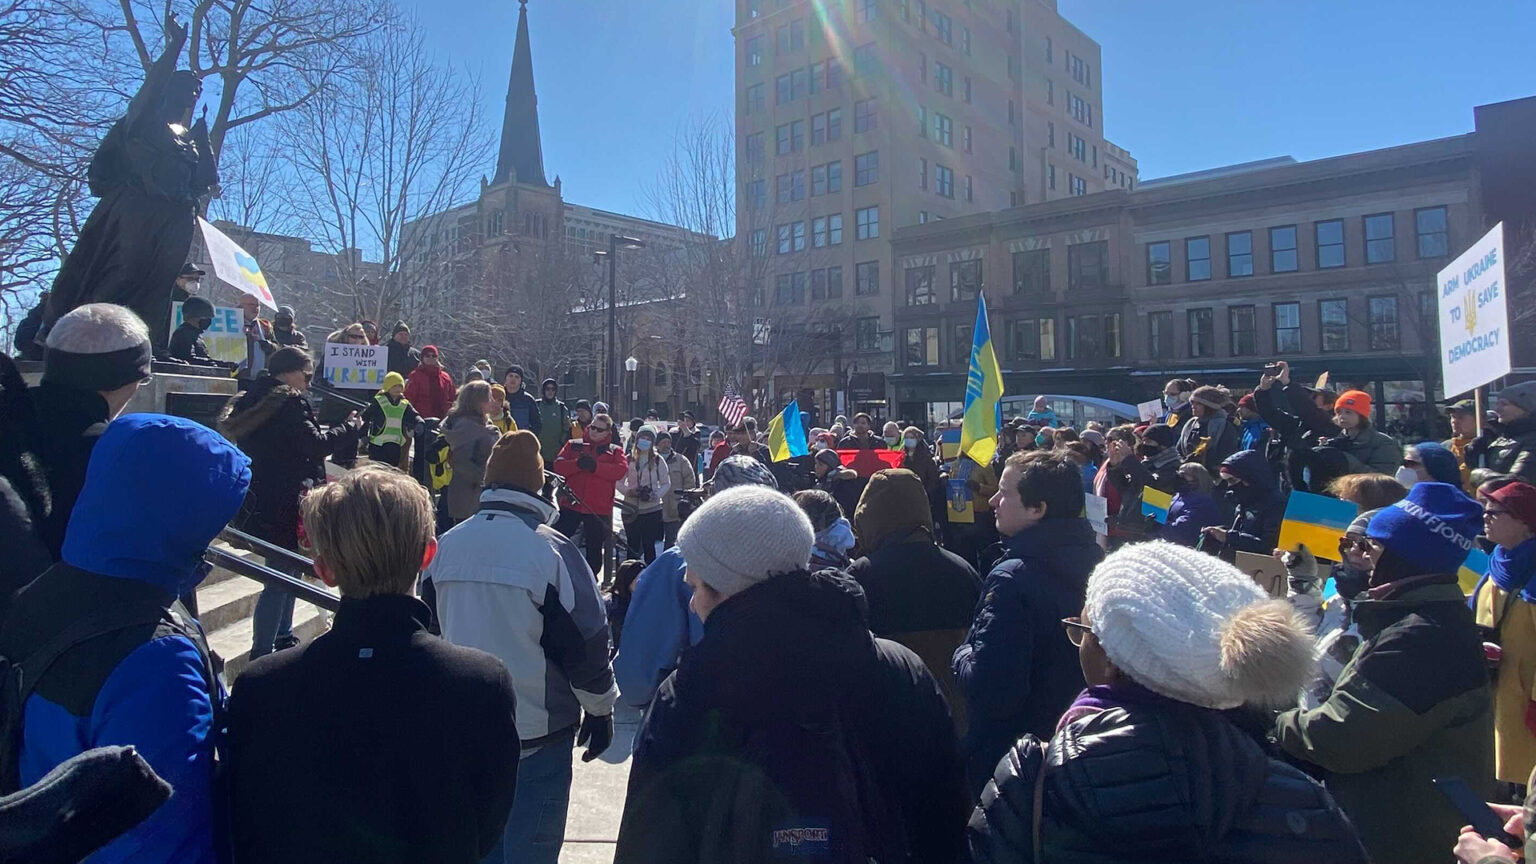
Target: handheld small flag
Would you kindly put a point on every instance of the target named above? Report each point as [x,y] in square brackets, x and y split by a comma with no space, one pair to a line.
[1318,521]
[1472,570]
[1156,503]
[234,265]
[983,389]
[786,434]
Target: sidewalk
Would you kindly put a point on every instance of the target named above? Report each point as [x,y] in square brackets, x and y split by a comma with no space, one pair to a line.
[597,796]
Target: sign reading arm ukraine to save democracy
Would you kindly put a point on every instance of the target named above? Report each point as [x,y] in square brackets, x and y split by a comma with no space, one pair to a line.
[1474,317]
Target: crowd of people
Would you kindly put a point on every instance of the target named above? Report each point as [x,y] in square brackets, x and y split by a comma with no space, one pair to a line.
[832,663]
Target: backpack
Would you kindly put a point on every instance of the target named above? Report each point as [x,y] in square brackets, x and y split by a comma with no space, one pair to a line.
[439,464]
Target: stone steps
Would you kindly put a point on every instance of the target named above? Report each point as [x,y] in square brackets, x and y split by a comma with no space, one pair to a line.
[226,601]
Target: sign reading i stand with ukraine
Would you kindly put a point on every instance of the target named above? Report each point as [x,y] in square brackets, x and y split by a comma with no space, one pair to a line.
[1474,319]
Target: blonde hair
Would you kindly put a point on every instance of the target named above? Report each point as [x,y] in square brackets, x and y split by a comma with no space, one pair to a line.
[472,399]
[371,528]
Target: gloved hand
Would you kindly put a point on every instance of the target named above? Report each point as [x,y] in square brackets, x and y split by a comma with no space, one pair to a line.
[596,734]
[586,463]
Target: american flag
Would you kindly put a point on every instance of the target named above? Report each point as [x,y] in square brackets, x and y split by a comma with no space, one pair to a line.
[732,407]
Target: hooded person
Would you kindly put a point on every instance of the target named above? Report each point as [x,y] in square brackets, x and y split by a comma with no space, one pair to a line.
[186,342]
[919,593]
[1147,758]
[1253,432]
[158,490]
[1042,414]
[1259,507]
[390,420]
[508,583]
[779,723]
[837,480]
[659,624]
[1504,602]
[554,427]
[834,533]
[1413,703]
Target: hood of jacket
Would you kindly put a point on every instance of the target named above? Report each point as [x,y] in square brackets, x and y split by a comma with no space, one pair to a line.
[1252,468]
[244,413]
[158,490]
[544,385]
[521,502]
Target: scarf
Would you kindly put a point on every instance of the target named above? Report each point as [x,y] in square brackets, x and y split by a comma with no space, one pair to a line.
[833,543]
[1512,569]
[1102,697]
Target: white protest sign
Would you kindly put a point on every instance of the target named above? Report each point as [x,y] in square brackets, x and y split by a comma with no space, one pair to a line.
[235,265]
[1150,410]
[1474,318]
[225,337]
[356,367]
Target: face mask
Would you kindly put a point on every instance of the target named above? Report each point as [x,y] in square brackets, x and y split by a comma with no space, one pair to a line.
[1171,401]
[1042,442]
[909,443]
[1147,451]
[663,452]
[819,445]
[891,440]
[1406,476]
[643,444]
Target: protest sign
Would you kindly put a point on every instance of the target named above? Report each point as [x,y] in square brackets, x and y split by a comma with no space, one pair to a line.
[1317,521]
[961,507]
[1474,318]
[1096,511]
[225,337]
[356,367]
[1149,411]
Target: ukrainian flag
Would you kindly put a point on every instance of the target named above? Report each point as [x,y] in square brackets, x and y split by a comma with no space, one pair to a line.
[786,434]
[1317,521]
[1156,503]
[983,389]
[1472,570]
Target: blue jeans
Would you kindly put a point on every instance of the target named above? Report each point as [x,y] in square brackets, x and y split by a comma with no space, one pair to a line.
[536,826]
[273,618]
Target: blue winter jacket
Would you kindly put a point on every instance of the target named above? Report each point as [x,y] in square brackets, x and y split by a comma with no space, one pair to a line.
[1190,512]
[657,627]
[157,490]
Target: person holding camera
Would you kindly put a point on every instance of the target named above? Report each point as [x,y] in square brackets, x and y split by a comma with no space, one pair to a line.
[645,485]
[680,473]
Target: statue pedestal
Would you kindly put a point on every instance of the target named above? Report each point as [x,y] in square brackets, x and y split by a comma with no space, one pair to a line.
[194,392]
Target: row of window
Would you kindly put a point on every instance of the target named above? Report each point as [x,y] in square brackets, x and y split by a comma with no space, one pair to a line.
[825,127]
[942,130]
[1430,229]
[1383,332]
[825,231]
[797,84]
[943,27]
[825,283]
[1115,177]
[1087,337]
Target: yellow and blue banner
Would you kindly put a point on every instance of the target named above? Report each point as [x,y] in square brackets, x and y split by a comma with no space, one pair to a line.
[786,434]
[1317,521]
[1156,503]
[983,390]
[1472,570]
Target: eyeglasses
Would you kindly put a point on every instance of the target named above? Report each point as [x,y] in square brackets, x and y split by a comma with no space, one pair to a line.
[1411,463]
[596,428]
[1489,512]
[1077,631]
[1354,544]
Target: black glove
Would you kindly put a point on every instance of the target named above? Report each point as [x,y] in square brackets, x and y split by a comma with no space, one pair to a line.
[586,463]
[596,735]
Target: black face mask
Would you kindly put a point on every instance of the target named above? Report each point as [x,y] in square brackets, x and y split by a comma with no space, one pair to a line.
[1350,581]
[1148,451]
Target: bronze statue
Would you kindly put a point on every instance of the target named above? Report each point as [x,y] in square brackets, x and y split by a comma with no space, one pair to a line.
[151,172]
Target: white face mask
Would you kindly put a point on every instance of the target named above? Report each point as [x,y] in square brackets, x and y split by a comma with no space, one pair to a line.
[1406,476]
[909,443]
[1171,401]
[819,445]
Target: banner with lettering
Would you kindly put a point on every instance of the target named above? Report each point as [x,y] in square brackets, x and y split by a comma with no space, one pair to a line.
[356,367]
[1474,318]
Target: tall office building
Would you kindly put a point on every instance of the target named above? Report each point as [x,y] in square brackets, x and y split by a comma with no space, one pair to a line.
[857,118]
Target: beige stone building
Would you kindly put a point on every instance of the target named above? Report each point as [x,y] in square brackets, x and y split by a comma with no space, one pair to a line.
[859,118]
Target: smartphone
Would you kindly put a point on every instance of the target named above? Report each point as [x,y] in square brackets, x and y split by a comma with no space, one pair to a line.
[1271,369]
[1477,812]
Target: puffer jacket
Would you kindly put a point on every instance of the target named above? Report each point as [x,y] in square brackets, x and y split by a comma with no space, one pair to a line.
[646,471]
[470,442]
[276,426]
[1150,779]
[595,487]
[1412,705]
[1373,452]
[845,485]
[1507,448]
[1260,506]
[1208,440]
[682,477]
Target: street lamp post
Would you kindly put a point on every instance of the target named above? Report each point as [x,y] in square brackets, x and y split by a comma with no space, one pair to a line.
[630,366]
[615,243]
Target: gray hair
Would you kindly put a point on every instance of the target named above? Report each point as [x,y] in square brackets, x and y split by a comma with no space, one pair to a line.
[97,328]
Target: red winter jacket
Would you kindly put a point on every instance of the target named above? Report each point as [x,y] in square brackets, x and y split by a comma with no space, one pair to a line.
[430,391]
[594,488]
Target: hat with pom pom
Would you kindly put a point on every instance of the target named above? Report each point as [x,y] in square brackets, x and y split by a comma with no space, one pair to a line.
[1194,628]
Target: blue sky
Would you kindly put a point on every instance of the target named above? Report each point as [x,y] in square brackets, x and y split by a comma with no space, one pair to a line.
[1188,84]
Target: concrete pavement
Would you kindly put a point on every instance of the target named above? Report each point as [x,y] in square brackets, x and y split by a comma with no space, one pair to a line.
[597,796]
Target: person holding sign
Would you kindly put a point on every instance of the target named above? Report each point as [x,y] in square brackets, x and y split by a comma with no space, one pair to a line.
[1509,445]
[390,420]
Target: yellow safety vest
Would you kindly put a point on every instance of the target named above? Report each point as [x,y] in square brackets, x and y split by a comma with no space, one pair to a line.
[394,422]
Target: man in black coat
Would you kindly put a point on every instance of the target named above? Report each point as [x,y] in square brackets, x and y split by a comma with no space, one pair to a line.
[1016,669]
[378,741]
[402,357]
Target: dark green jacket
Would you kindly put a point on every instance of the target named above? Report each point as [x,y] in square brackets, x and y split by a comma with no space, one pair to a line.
[1413,704]
[1374,452]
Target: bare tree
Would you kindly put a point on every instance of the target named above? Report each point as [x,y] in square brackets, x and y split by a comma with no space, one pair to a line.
[403,139]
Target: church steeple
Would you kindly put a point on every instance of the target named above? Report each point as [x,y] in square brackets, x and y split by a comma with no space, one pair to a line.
[521,151]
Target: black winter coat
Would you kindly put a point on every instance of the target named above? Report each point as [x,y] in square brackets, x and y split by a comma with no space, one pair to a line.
[1507,448]
[376,742]
[70,421]
[403,358]
[276,426]
[1260,507]
[1156,780]
[1016,667]
[791,651]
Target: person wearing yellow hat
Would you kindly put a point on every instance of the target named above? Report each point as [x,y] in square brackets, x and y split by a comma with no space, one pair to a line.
[391,420]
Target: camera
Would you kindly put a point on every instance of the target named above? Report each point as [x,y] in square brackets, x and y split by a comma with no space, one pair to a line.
[645,493]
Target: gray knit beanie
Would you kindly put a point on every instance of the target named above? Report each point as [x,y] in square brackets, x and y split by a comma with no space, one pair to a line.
[744,535]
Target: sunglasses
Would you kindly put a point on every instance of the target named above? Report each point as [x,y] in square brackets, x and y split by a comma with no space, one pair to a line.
[1354,544]
[1077,631]
[1411,463]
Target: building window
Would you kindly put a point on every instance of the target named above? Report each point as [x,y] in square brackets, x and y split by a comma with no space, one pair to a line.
[1050,133]
[1047,338]
[944,79]
[922,121]
[922,67]
[1160,335]
[864,115]
[970,190]
[1240,254]
[1334,316]
[753,102]
[818,129]
[1197,259]
[967,139]
[1084,336]
[791,237]
[1282,249]
[1088,265]
[827,230]
[1159,263]
[1050,47]
[1202,333]
[868,333]
[866,278]
[1243,327]
[943,181]
[866,168]
[1077,147]
[1384,333]
[760,243]
[867,223]
[964,279]
[1112,346]
[922,346]
[1077,185]
[819,232]
[960,346]
[827,284]
[1032,272]
[1079,109]
[943,130]
[865,60]
[1434,240]
[1050,173]
[757,194]
[869,10]
[922,182]
[789,289]
[920,286]
[1050,92]
[1379,248]
[1024,339]
[942,28]
[826,178]
[965,40]
[1330,244]
[1287,328]
[967,89]
[791,187]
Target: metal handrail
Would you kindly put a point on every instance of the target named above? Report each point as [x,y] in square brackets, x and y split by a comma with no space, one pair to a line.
[273,579]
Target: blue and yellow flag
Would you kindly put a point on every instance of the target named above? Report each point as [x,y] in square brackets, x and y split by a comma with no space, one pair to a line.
[786,434]
[1317,521]
[1156,503]
[983,389]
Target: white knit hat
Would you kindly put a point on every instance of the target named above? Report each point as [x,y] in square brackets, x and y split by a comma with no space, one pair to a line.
[1194,628]
[744,535]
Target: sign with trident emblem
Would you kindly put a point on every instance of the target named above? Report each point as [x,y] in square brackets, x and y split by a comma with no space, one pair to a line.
[1474,317]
